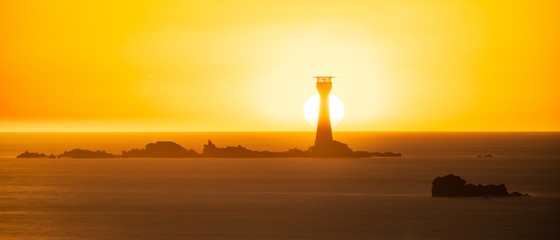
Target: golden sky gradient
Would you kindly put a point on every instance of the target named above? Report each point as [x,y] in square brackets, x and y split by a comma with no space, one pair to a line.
[248,65]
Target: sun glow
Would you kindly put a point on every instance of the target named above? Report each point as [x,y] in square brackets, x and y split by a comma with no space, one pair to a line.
[191,65]
[311,110]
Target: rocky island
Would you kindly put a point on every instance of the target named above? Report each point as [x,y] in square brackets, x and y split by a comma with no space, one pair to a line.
[161,149]
[454,186]
[28,154]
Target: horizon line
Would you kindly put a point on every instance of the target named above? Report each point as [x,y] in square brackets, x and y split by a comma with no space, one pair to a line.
[237,131]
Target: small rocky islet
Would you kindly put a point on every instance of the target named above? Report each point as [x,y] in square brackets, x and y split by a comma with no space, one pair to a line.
[455,186]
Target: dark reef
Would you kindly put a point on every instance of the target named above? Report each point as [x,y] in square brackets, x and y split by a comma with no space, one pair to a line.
[486,156]
[174,150]
[454,186]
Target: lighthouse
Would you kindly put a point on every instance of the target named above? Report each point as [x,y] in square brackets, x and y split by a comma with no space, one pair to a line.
[323,137]
[325,146]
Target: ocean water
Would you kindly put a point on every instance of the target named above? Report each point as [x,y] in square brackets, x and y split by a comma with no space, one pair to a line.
[297,198]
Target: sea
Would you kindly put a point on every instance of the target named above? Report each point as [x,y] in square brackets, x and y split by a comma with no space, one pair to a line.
[279,198]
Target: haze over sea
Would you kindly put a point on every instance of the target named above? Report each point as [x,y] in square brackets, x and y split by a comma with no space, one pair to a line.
[297,198]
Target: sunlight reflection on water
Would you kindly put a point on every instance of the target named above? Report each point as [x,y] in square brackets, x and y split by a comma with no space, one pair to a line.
[271,199]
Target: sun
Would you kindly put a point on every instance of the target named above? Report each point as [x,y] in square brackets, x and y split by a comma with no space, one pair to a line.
[311,110]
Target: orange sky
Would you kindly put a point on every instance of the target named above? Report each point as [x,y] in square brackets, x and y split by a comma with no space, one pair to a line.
[247,65]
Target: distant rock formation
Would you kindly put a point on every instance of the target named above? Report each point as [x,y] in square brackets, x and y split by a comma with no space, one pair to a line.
[338,149]
[455,186]
[27,154]
[161,149]
[335,149]
[385,154]
[171,149]
[211,150]
[84,153]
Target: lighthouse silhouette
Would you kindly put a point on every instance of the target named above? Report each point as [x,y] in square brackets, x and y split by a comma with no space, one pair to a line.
[325,146]
[323,137]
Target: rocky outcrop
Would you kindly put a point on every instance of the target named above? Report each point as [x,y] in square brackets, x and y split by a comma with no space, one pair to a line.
[211,150]
[385,154]
[84,153]
[455,186]
[334,149]
[27,154]
[339,149]
[161,149]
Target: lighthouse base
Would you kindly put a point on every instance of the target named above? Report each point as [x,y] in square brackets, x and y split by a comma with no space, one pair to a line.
[333,149]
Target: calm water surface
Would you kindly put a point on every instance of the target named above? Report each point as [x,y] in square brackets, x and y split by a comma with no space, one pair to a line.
[272,199]
[381,198]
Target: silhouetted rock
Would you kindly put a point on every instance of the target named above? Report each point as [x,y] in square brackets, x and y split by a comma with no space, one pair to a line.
[338,149]
[27,154]
[161,149]
[455,186]
[171,149]
[211,150]
[332,149]
[84,153]
[385,154]
[518,194]
[486,155]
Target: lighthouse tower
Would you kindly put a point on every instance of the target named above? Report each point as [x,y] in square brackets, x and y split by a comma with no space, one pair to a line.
[325,146]
[324,138]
